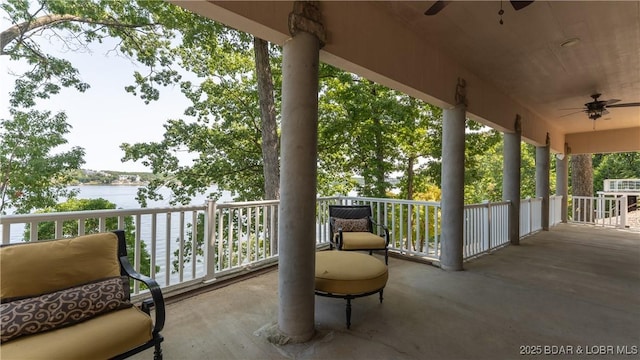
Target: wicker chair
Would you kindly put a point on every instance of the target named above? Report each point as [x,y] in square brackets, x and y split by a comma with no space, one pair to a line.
[352,228]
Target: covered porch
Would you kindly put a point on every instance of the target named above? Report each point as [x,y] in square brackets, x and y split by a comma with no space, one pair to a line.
[573,288]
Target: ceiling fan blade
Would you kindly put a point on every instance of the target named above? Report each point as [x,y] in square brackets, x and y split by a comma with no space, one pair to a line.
[435,8]
[573,113]
[612,101]
[624,105]
[573,109]
[517,5]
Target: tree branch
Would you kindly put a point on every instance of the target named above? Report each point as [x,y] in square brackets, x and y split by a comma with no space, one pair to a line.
[18,30]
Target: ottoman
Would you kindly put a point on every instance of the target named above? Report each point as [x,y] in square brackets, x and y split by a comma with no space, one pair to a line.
[349,275]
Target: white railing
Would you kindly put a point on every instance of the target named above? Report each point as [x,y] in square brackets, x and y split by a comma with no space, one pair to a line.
[165,234]
[190,245]
[241,235]
[600,210]
[414,226]
[486,227]
[530,216]
[555,210]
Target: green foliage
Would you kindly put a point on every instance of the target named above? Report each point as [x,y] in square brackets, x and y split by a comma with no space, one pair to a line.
[484,167]
[615,166]
[369,130]
[225,138]
[46,230]
[31,174]
[74,24]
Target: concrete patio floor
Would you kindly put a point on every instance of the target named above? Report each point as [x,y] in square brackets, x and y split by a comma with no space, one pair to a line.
[575,288]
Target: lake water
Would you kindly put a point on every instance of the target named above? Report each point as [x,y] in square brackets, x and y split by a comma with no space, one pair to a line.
[125,196]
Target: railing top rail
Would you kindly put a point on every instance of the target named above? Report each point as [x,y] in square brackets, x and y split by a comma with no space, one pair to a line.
[246,203]
[487,204]
[382,200]
[74,215]
[600,197]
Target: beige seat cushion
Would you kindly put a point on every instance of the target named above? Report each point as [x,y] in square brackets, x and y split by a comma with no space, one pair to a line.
[349,273]
[362,240]
[102,337]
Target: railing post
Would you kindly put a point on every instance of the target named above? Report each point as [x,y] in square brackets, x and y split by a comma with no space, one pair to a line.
[530,215]
[623,206]
[210,255]
[489,225]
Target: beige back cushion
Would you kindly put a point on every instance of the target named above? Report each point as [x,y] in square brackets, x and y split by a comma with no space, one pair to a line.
[42,267]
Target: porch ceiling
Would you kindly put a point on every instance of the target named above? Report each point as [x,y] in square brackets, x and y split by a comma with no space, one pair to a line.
[515,68]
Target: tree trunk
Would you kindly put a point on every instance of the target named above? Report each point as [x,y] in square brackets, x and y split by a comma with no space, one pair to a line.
[581,175]
[582,185]
[380,187]
[271,168]
[410,176]
[270,148]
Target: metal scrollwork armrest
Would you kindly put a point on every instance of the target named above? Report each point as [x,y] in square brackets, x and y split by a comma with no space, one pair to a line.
[154,289]
[384,228]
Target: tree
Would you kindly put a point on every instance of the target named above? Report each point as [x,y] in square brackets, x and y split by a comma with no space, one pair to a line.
[159,35]
[360,129]
[615,166]
[234,136]
[419,136]
[31,174]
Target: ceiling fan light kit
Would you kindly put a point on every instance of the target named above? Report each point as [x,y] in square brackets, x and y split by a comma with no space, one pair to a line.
[440,4]
[597,108]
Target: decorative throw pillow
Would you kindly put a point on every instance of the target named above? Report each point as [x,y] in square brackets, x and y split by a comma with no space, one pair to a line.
[352,225]
[62,308]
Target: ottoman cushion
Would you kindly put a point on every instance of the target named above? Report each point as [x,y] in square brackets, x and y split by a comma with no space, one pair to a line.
[349,273]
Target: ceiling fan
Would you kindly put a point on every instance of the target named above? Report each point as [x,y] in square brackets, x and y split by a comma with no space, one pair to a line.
[596,108]
[440,4]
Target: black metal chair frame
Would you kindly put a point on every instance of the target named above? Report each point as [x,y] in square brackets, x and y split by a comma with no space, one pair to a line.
[355,212]
[349,298]
[156,301]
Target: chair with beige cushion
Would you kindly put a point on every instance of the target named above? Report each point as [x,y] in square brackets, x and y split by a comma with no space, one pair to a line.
[352,227]
[69,299]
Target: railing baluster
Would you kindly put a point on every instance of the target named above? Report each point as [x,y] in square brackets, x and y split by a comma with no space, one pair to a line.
[167,255]
[194,243]
[154,240]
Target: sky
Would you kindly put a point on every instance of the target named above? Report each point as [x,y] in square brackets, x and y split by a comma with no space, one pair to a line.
[104,116]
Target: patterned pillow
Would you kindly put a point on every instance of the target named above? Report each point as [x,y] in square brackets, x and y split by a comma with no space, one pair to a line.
[66,307]
[352,225]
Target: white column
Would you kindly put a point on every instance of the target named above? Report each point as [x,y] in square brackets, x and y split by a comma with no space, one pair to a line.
[452,185]
[562,183]
[298,146]
[512,159]
[542,181]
